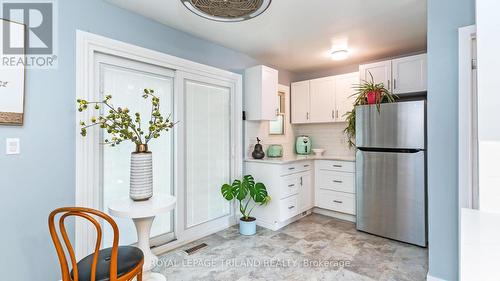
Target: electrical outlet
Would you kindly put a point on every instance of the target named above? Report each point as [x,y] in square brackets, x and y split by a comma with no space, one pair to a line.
[12,146]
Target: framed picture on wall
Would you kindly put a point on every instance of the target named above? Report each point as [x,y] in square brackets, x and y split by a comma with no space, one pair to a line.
[12,72]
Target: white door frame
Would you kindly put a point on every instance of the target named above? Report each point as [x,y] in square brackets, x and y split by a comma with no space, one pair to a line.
[467,155]
[87,159]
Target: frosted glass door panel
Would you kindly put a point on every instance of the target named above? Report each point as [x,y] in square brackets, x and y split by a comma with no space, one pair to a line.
[208,151]
[126,86]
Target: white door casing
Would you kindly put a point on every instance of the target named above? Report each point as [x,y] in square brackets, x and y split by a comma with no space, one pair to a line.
[87,182]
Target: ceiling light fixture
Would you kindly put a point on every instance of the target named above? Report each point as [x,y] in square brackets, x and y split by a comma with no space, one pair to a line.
[339,55]
[227,10]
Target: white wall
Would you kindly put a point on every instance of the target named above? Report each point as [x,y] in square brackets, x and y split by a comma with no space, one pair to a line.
[488,46]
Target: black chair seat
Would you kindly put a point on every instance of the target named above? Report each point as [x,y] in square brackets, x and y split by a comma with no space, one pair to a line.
[128,258]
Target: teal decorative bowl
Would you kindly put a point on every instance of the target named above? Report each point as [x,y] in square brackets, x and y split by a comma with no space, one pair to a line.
[275,151]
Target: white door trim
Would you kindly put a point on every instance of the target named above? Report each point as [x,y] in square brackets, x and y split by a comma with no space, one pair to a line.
[467,159]
[86,166]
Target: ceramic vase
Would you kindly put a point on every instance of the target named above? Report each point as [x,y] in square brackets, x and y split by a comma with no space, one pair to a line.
[141,174]
[373,97]
[248,228]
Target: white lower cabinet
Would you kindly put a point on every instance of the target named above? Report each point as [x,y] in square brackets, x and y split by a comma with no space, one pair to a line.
[290,187]
[335,186]
[300,186]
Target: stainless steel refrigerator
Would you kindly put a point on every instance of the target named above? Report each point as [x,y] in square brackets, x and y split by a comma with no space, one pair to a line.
[391,171]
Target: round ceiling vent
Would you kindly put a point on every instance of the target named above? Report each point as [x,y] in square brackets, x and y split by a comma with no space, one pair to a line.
[227,10]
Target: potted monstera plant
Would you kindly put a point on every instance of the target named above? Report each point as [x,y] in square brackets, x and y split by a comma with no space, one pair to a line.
[367,92]
[249,195]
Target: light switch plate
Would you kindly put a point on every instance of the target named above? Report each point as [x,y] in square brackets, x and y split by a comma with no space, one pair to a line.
[12,146]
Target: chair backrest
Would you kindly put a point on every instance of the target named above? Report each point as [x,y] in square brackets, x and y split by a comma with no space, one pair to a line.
[92,216]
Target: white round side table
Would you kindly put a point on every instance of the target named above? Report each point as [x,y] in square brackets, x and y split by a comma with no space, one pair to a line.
[143,213]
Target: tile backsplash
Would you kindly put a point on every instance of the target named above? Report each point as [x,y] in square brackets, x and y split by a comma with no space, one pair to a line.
[327,136]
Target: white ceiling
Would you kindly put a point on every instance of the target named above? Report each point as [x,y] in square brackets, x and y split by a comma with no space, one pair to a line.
[297,35]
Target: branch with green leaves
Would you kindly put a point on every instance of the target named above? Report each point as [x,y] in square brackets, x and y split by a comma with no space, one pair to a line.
[244,191]
[121,125]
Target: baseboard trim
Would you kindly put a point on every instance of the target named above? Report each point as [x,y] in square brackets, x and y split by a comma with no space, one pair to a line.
[432,278]
[333,214]
[278,225]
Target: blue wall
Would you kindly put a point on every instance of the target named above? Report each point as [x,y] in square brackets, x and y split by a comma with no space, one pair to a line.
[42,177]
[444,19]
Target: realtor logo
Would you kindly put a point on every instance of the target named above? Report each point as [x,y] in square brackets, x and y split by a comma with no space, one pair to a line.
[37,46]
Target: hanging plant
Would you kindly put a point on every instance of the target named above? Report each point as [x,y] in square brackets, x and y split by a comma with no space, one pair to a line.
[367,92]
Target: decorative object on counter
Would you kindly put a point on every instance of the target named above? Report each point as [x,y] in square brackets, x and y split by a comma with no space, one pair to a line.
[318,151]
[303,145]
[275,151]
[368,92]
[244,191]
[121,126]
[258,152]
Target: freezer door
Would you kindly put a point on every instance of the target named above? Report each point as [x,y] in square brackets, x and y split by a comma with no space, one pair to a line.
[391,196]
[397,125]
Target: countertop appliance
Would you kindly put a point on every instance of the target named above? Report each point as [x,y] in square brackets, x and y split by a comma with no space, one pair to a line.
[391,186]
[303,145]
[275,151]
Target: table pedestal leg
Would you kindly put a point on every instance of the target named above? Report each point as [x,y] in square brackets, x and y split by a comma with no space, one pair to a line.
[143,227]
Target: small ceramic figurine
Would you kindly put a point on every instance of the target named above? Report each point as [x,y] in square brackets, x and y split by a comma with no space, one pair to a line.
[258,152]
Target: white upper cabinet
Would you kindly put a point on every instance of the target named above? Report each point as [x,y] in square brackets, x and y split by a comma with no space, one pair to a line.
[261,88]
[400,76]
[300,99]
[381,72]
[409,74]
[344,91]
[322,100]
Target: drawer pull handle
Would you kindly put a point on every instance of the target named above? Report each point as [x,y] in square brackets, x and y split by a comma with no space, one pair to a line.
[305,166]
[337,181]
[291,168]
[291,207]
[291,185]
[337,166]
[337,201]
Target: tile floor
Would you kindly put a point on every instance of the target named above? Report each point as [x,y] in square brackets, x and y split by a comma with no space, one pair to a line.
[314,248]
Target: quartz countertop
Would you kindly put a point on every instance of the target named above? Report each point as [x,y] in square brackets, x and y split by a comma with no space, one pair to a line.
[479,247]
[295,158]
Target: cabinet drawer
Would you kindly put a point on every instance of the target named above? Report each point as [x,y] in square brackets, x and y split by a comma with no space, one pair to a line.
[290,186]
[296,167]
[289,207]
[337,181]
[336,201]
[341,166]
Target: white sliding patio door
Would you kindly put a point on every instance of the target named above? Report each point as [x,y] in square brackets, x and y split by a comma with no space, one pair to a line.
[207,122]
[125,80]
[191,162]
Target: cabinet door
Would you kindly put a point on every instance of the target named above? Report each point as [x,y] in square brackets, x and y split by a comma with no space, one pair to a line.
[344,90]
[300,102]
[410,74]
[306,200]
[322,100]
[381,72]
[269,91]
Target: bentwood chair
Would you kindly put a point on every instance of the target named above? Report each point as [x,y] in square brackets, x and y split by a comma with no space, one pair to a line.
[112,264]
